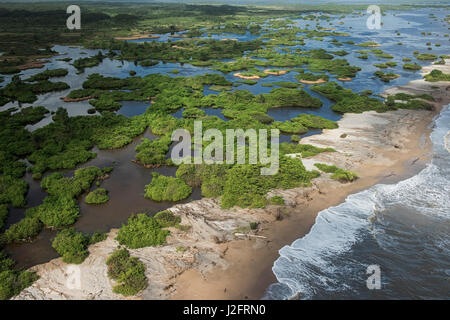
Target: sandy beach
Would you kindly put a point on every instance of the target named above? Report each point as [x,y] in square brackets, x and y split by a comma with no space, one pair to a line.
[218,264]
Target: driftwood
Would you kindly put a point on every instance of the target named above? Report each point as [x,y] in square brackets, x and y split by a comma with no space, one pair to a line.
[249,235]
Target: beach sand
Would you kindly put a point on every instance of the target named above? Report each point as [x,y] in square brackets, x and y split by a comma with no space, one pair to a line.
[217,264]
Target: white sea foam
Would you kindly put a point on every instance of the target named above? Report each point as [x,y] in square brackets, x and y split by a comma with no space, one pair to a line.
[388,223]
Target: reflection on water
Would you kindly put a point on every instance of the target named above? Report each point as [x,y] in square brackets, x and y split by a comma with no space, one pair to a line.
[133,108]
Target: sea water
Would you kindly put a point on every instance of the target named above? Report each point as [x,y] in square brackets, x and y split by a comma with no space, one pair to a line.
[403,228]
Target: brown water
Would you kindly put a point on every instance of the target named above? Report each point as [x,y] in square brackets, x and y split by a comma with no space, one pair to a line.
[126,186]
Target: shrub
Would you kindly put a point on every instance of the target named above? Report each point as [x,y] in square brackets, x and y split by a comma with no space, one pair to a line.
[13,190]
[337,173]
[97,196]
[412,66]
[97,237]
[180,249]
[58,211]
[71,245]
[315,122]
[167,219]
[47,74]
[23,230]
[277,200]
[344,175]
[386,77]
[306,150]
[163,188]
[153,152]
[127,271]
[13,282]
[253,225]
[142,231]
[437,75]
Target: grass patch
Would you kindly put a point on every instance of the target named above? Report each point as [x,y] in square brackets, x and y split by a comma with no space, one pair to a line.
[339,174]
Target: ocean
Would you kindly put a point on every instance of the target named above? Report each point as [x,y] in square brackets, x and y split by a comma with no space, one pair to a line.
[402,228]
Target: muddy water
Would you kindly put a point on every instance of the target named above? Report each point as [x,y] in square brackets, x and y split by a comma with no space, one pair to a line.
[126,186]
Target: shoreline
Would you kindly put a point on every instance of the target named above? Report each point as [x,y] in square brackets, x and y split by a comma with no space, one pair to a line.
[251,273]
[219,265]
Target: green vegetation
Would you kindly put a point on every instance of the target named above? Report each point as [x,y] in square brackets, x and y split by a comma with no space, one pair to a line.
[302,122]
[285,97]
[311,77]
[243,185]
[437,75]
[82,63]
[386,77]
[277,200]
[153,152]
[368,44]
[314,122]
[337,173]
[97,196]
[71,245]
[24,230]
[47,74]
[12,282]
[25,92]
[348,101]
[412,66]
[426,56]
[97,237]
[180,249]
[163,188]
[306,150]
[167,219]
[68,142]
[142,231]
[13,190]
[60,207]
[127,271]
